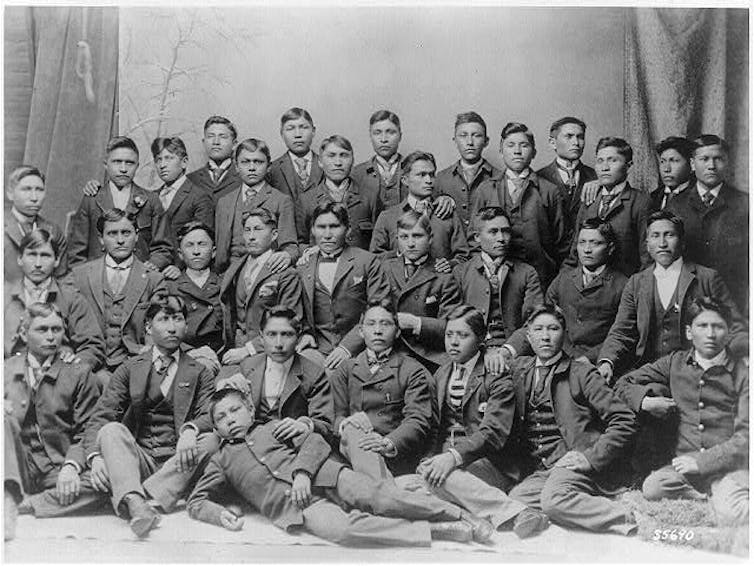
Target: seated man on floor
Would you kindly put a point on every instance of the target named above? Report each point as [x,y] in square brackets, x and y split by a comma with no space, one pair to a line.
[704,393]
[383,401]
[573,432]
[48,404]
[148,424]
[300,487]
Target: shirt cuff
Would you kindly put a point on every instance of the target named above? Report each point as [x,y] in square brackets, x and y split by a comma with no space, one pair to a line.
[187,426]
[307,421]
[418,327]
[511,349]
[457,456]
[605,360]
[91,457]
[346,350]
[74,464]
[250,348]
[391,451]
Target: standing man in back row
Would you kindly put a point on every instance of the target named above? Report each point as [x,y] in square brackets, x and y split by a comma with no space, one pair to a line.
[217,176]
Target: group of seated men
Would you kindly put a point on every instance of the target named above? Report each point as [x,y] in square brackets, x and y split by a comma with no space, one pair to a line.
[378,354]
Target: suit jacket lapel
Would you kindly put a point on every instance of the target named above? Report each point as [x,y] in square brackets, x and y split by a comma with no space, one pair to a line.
[231,273]
[139,378]
[396,268]
[292,381]
[442,384]
[345,265]
[179,197]
[315,175]
[135,286]
[290,176]
[422,275]
[263,274]
[12,229]
[475,380]
[260,198]
[184,385]
[646,297]
[688,274]
[96,275]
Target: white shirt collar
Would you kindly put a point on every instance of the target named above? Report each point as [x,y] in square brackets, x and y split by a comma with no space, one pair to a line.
[616,190]
[565,165]
[673,270]
[389,163]
[125,264]
[679,189]
[34,363]
[156,354]
[551,362]
[702,190]
[177,184]
[468,365]
[256,190]
[412,200]
[22,219]
[283,368]
[27,284]
[224,165]
[262,259]
[118,191]
[308,157]
[486,258]
[344,184]
[720,360]
[597,271]
[523,175]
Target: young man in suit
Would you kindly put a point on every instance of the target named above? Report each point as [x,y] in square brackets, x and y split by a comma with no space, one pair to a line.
[449,236]
[473,462]
[533,205]
[339,281]
[573,431]
[282,385]
[199,287]
[26,193]
[217,176]
[674,166]
[462,180]
[381,173]
[82,338]
[503,289]
[301,487]
[152,244]
[297,170]
[48,404]
[620,204]
[118,287]
[422,296]
[249,287]
[383,401]
[567,171]
[703,393]
[656,300]
[252,159]
[145,436]
[337,185]
[716,216]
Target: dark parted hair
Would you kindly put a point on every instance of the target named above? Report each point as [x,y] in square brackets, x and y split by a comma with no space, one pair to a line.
[603,227]
[21,172]
[518,128]
[279,311]
[546,308]
[413,157]
[560,122]
[192,225]
[121,142]
[223,121]
[411,218]
[330,207]
[338,140]
[472,317]
[252,145]
[683,146]
[41,310]
[164,302]
[294,114]
[470,118]
[381,115]
[620,145]
[267,217]
[490,213]
[706,140]
[36,239]
[115,215]
[224,393]
[701,304]
[386,304]
[173,144]
[674,219]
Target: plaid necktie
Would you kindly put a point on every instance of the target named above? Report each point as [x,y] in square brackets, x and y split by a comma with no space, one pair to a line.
[376,362]
[301,170]
[423,207]
[708,198]
[161,366]
[491,272]
[571,181]
[456,388]
[518,188]
[216,174]
[605,201]
[116,278]
[589,277]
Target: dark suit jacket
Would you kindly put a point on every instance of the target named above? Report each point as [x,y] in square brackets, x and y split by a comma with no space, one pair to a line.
[12,243]
[627,344]
[261,471]
[282,175]
[363,209]
[397,399]
[64,404]
[448,235]
[520,291]
[450,182]
[591,417]
[306,392]
[190,203]
[270,289]
[538,222]
[204,323]
[628,218]
[272,200]
[202,178]
[718,236]
[139,288]
[124,398]
[488,408]
[430,296]
[359,280]
[152,243]
[368,176]
[572,202]
[82,333]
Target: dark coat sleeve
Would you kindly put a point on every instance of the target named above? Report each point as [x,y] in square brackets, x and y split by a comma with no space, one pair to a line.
[378,289]
[320,402]
[78,245]
[160,248]
[287,231]
[84,331]
[380,243]
[200,416]
[199,503]
[86,395]
[624,334]
[413,432]
[650,380]
[111,407]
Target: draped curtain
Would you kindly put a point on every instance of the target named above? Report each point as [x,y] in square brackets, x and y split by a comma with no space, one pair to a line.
[73,65]
[686,73]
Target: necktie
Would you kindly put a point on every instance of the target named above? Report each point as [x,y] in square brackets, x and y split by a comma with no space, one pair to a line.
[518,188]
[541,376]
[375,362]
[328,258]
[161,366]
[164,194]
[117,278]
[589,277]
[36,294]
[386,172]
[248,274]
[492,269]
[36,377]
[571,180]
[248,194]
[216,174]
[708,198]
[423,207]
[605,201]
[411,268]
[456,388]
[301,170]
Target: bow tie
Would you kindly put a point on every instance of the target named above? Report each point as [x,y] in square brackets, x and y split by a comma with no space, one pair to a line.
[329,258]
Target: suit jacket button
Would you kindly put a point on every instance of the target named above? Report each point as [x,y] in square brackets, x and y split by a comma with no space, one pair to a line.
[209,307]
[701,427]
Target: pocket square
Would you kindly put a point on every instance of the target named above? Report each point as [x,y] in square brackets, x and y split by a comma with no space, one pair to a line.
[429,300]
[358,279]
[482,407]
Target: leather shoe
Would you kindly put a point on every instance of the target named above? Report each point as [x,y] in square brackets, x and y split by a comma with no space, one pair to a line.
[481,529]
[143,517]
[530,522]
[10,515]
[459,531]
